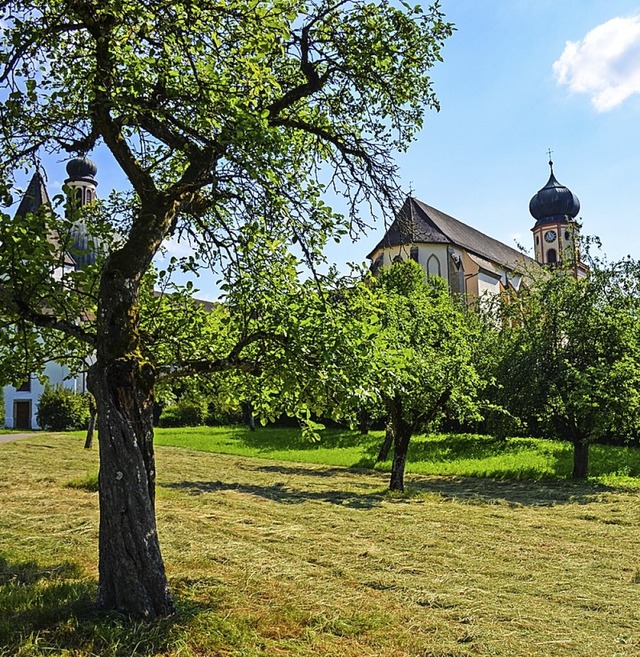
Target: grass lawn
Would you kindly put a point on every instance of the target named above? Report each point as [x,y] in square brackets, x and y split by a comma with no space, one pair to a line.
[465,455]
[274,558]
[7,432]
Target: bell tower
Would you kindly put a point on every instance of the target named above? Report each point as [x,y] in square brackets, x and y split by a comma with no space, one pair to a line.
[81,181]
[81,185]
[556,232]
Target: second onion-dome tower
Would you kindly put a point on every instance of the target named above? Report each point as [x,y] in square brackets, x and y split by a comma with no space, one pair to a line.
[81,185]
[556,231]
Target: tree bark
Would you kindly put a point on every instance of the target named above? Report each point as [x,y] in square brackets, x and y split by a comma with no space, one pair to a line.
[580,459]
[247,416]
[402,432]
[385,448]
[364,420]
[88,441]
[131,574]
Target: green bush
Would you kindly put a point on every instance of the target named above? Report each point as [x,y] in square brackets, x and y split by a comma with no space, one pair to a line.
[221,418]
[186,413]
[61,409]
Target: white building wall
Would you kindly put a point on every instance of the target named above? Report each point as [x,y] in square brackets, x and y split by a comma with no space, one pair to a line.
[429,257]
[56,375]
[487,284]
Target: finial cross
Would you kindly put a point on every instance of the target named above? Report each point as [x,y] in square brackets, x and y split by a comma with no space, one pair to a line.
[549,152]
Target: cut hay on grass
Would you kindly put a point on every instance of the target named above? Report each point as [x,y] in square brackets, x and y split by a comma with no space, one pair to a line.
[271,558]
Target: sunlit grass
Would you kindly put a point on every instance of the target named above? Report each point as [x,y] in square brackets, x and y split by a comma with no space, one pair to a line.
[278,559]
[463,455]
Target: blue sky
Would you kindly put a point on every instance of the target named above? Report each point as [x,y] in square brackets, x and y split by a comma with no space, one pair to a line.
[520,77]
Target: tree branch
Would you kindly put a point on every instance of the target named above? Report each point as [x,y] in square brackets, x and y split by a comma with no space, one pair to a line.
[20,308]
[313,84]
[232,361]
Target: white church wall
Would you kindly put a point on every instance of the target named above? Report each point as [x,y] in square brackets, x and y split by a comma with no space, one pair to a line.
[55,375]
[487,284]
[435,260]
[431,257]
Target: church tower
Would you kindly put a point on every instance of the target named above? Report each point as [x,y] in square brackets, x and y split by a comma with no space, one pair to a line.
[81,181]
[81,185]
[556,232]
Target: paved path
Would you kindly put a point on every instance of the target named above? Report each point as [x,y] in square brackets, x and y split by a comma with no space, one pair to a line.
[9,437]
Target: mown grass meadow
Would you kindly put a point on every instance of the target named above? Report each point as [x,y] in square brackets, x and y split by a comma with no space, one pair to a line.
[278,557]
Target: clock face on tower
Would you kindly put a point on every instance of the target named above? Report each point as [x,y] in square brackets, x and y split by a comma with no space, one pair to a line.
[550,236]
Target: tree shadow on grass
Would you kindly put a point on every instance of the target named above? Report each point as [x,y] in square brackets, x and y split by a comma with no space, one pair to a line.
[36,598]
[278,493]
[51,610]
[475,490]
[452,447]
[364,468]
[269,439]
[518,459]
[472,490]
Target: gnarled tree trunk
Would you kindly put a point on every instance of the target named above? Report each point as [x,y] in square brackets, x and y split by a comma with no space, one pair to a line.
[131,571]
[403,430]
[132,578]
[387,443]
[88,441]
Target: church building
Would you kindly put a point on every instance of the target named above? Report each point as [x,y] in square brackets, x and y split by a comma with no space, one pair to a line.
[21,404]
[473,263]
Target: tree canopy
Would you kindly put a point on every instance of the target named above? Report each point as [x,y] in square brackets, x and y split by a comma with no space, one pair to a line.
[230,121]
[570,355]
[420,363]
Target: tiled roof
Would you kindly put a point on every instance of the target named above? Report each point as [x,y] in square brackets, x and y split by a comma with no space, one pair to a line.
[418,222]
[34,198]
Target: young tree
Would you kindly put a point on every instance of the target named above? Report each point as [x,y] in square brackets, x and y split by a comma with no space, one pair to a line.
[421,363]
[569,361]
[225,117]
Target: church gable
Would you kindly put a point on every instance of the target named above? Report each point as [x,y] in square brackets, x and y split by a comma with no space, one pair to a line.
[34,197]
[411,226]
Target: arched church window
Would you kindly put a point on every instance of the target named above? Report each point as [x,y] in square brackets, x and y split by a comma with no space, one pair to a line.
[433,266]
[79,196]
[414,253]
[567,235]
[397,259]
[552,256]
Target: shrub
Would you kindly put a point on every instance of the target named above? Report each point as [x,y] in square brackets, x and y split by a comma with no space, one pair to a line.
[186,413]
[217,417]
[61,409]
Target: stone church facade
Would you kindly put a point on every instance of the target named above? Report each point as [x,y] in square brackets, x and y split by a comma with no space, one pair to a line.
[473,263]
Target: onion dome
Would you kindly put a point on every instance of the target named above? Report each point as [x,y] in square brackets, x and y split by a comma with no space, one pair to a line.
[81,167]
[554,202]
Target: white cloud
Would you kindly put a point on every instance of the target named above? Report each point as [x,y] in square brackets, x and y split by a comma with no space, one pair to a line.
[605,64]
[177,249]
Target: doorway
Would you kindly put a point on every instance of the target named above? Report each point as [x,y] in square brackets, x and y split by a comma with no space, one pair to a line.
[22,415]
